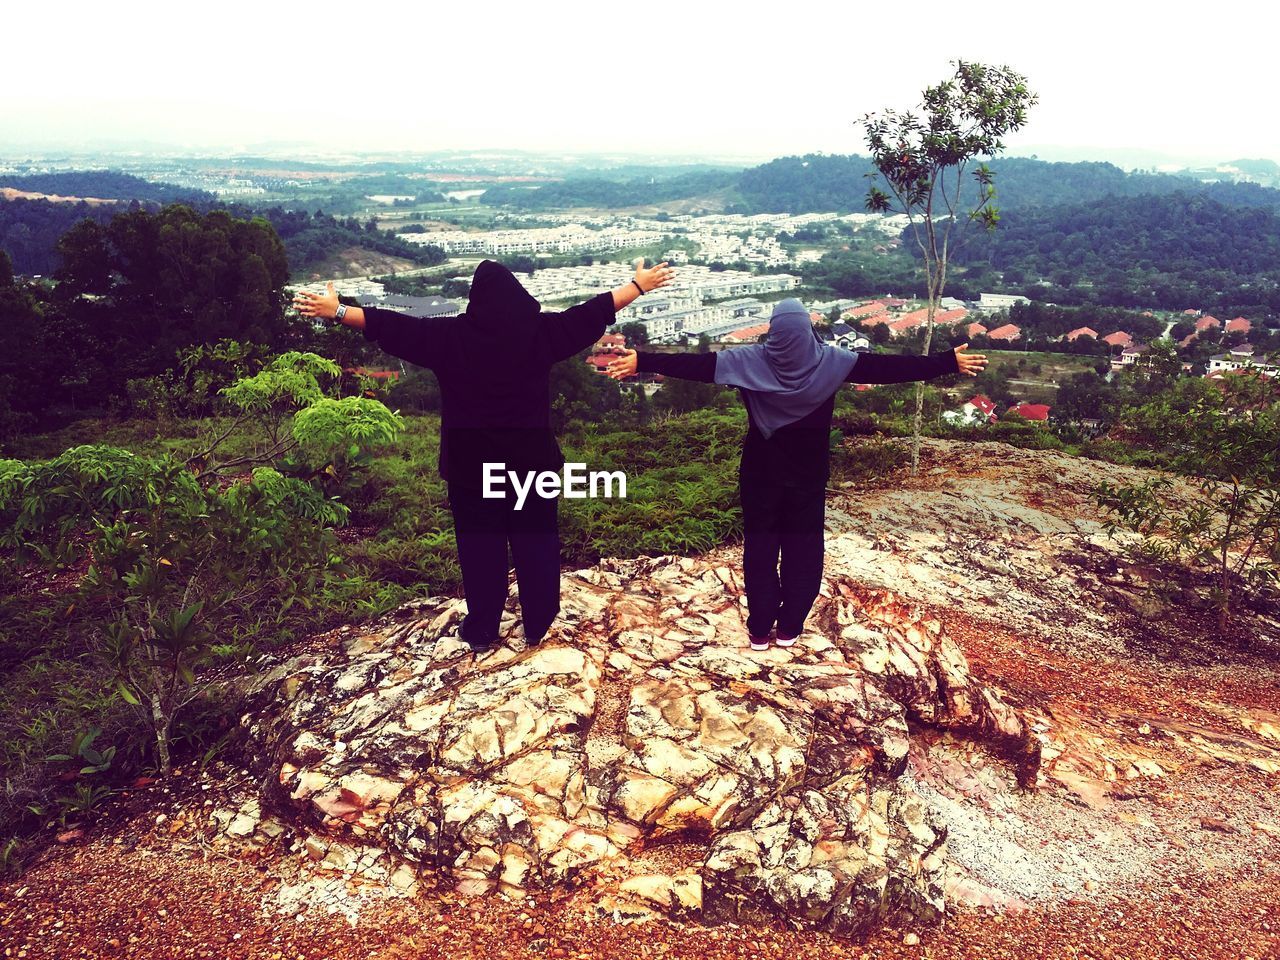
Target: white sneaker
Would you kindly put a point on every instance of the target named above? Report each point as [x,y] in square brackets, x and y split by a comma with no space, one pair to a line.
[782,641]
[759,643]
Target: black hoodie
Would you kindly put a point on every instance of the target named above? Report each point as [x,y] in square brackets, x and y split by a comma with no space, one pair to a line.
[493,364]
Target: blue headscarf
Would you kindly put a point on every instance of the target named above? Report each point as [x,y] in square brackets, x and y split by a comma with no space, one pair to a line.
[790,375]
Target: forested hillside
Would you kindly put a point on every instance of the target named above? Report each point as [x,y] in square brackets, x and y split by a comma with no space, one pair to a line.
[30,228]
[604,192]
[1172,251]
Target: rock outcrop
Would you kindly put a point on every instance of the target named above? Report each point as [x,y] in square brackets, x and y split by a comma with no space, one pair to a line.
[642,748]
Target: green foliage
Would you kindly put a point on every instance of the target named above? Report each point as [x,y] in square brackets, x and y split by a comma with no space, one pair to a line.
[962,118]
[158,540]
[866,458]
[1170,251]
[192,388]
[291,380]
[1224,437]
[84,798]
[11,857]
[185,568]
[334,433]
[82,749]
[416,390]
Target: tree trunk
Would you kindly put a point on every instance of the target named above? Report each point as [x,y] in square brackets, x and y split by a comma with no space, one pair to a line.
[915,428]
[160,720]
[919,415]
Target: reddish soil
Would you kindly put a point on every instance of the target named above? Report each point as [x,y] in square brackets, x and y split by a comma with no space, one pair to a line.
[130,889]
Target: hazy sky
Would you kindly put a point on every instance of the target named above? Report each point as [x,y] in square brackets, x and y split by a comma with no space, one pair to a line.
[740,79]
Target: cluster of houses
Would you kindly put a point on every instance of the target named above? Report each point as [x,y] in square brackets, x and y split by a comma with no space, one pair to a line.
[897,317]
[570,238]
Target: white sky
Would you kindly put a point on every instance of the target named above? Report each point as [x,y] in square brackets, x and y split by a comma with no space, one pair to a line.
[741,79]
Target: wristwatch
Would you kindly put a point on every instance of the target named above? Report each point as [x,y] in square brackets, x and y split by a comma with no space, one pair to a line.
[342,312]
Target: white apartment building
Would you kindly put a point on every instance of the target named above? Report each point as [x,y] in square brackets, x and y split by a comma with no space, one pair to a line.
[570,238]
[990,302]
[580,282]
[1237,359]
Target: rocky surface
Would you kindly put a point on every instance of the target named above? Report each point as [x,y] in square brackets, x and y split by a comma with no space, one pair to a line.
[979,635]
[642,720]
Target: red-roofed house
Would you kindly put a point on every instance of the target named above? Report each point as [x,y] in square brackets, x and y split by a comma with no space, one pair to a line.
[865,310]
[1082,332]
[1187,340]
[977,410]
[893,302]
[951,317]
[874,319]
[1191,313]
[746,334]
[909,321]
[973,329]
[1118,339]
[1030,411]
[815,317]
[600,361]
[611,341]
[1207,322]
[981,405]
[1239,323]
[1009,332]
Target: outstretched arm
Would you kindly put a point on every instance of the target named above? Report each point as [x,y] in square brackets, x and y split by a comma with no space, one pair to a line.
[414,339]
[903,368]
[686,366]
[578,327]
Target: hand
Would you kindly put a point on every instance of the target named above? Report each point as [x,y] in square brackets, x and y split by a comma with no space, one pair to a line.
[969,363]
[313,305]
[624,366]
[652,278]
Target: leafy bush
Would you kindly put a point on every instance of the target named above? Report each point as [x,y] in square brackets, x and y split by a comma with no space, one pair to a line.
[174,563]
[157,567]
[1225,436]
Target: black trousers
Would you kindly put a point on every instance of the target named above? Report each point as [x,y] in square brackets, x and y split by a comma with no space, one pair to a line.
[782,551]
[484,528]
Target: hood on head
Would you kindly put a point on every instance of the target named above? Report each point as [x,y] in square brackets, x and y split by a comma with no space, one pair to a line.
[498,298]
[792,348]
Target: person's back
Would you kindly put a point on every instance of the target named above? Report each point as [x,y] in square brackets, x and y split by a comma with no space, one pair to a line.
[797,454]
[493,363]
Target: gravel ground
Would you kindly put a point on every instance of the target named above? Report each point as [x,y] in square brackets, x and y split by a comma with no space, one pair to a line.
[1184,863]
[102,901]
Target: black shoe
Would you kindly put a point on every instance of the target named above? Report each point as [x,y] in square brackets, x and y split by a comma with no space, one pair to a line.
[479,648]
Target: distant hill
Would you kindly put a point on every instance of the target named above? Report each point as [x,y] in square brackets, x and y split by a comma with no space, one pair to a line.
[30,228]
[602,192]
[107,184]
[1185,249]
[1266,173]
[826,182]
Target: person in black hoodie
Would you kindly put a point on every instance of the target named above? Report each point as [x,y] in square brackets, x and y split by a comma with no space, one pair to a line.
[493,363]
[789,385]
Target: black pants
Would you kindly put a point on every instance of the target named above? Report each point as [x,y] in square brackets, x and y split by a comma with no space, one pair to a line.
[484,528]
[782,551]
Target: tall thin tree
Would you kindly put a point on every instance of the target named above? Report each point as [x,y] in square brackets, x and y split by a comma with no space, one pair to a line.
[923,158]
